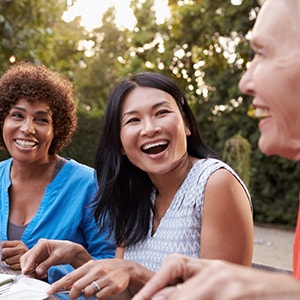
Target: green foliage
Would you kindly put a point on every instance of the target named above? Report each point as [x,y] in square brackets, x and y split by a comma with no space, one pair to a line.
[85,140]
[237,154]
[203,47]
[103,69]
[275,189]
[33,30]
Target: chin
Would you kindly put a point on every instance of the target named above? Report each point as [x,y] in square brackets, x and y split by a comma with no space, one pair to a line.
[267,147]
[272,149]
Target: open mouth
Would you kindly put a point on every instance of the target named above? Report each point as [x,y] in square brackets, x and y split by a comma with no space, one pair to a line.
[154,148]
[25,144]
[258,113]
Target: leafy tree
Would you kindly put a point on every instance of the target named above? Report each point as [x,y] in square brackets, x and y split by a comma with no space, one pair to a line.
[106,65]
[203,46]
[33,30]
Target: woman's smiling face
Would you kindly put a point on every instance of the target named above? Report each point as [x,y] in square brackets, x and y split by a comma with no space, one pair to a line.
[153,131]
[273,78]
[28,131]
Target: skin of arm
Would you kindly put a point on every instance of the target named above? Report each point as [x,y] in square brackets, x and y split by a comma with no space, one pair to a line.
[47,253]
[201,277]
[227,224]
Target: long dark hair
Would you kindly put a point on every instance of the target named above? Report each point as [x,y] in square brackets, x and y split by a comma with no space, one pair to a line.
[124,191]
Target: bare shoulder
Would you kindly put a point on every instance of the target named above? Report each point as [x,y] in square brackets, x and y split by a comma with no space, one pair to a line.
[222,177]
[222,183]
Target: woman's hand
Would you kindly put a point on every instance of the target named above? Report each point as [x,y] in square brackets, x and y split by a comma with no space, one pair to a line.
[102,278]
[12,251]
[47,253]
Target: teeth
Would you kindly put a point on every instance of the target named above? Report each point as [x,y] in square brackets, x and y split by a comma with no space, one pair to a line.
[25,143]
[148,146]
[258,113]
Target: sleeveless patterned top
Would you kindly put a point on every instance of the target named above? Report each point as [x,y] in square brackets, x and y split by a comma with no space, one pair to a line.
[179,229]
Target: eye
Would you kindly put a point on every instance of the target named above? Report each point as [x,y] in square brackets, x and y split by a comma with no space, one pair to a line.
[162,112]
[258,52]
[131,120]
[16,115]
[42,120]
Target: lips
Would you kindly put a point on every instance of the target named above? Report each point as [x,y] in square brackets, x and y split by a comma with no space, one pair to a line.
[155,147]
[25,143]
[258,113]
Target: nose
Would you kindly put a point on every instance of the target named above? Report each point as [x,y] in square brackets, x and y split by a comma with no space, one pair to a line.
[246,83]
[28,126]
[150,128]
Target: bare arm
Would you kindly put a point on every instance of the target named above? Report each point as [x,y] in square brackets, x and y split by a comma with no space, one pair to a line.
[227,224]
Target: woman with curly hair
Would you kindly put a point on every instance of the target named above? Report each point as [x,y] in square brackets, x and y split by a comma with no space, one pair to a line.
[43,195]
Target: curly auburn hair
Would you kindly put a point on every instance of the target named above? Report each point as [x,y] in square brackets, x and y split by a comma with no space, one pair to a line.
[34,83]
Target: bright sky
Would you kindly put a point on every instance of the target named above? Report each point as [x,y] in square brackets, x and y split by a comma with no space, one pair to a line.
[91,12]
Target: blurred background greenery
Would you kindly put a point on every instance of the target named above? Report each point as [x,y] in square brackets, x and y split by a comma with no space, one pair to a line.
[203,45]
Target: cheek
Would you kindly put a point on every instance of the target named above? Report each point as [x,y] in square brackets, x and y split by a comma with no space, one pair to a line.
[50,135]
[126,141]
[263,77]
[270,90]
[6,129]
[288,123]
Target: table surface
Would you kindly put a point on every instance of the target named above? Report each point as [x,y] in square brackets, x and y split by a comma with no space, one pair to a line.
[5,269]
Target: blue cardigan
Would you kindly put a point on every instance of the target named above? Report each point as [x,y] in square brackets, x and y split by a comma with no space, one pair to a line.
[63,214]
